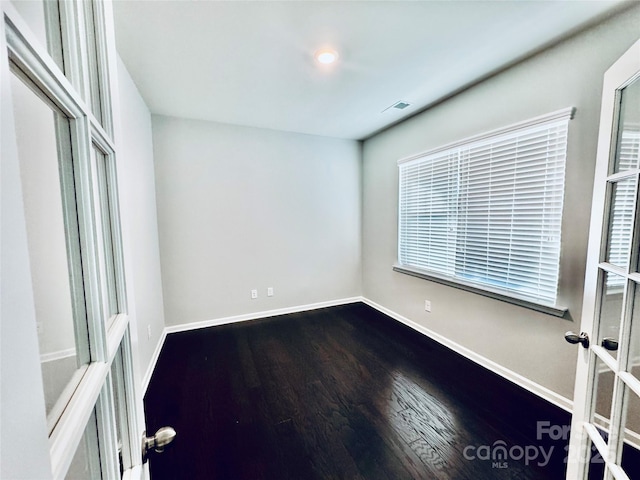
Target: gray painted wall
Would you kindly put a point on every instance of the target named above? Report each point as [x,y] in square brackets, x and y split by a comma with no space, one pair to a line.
[244,208]
[139,218]
[529,343]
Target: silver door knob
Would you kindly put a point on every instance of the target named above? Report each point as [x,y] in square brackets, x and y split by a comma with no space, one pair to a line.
[582,339]
[163,437]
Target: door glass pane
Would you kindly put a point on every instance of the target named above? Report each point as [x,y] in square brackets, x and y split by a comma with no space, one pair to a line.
[628,141]
[119,398]
[596,464]
[603,391]
[86,461]
[43,19]
[621,222]
[111,294]
[33,13]
[631,450]
[611,309]
[94,53]
[51,235]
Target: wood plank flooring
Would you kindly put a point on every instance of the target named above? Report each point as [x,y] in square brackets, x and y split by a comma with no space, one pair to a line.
[340,393]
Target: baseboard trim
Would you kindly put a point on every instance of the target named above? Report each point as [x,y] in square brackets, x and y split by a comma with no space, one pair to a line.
[529,385]
[235,319]
[258,315]
[59,355]
[153,362]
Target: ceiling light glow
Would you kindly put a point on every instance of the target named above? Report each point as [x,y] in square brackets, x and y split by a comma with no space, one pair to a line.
[326,56]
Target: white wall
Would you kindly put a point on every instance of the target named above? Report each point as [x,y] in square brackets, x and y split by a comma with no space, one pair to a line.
[242,208]
[529,343]
[139,218]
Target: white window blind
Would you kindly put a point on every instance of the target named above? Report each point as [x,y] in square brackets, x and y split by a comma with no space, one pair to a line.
[623,206]
[487,211]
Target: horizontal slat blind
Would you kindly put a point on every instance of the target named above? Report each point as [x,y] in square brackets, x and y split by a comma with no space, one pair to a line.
[489,212]
[623,205]
[428,213]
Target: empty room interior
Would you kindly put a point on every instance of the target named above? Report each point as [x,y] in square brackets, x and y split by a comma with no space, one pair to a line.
[320,239]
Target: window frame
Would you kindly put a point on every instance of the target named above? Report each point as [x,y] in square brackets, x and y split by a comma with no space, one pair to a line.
[459,282]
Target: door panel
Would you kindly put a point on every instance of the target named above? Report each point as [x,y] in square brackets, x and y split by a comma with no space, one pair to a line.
[67,157]
[606,421]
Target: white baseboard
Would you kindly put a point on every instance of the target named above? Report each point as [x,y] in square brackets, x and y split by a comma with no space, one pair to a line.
[235,319]
[510,375]
[529,385]
[59,355]
[257,315]
[153,362]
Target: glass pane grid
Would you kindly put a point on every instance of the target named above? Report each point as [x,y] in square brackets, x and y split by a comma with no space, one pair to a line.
[604,382]
[599,447]
[627,148]
[622,209]
[54,413]
[632,332]
[86,462]
[611,309]
[630,446]
[53,238]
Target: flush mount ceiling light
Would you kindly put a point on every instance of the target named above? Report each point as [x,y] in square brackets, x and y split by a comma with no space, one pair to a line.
[326,56]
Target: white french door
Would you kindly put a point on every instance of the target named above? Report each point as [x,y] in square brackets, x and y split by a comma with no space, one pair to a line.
[58,74]
[605,429]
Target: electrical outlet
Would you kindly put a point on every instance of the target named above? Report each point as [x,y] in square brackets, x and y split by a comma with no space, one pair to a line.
[270,292]
[254,294]
[149,332]
[427,306]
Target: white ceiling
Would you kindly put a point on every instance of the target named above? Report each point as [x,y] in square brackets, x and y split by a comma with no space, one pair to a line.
[251,63]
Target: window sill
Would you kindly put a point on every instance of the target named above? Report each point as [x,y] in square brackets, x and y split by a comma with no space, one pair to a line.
[481,290]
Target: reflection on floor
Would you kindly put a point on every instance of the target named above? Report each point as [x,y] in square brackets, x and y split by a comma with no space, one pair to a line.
[343,392]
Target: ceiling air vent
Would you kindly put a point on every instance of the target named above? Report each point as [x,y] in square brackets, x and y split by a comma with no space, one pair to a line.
[397,106]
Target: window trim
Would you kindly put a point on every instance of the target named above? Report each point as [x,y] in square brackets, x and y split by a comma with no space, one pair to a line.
[483,290]
[565,113]
[461,283]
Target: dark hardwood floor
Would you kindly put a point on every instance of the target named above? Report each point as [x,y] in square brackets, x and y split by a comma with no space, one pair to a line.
[341,393]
